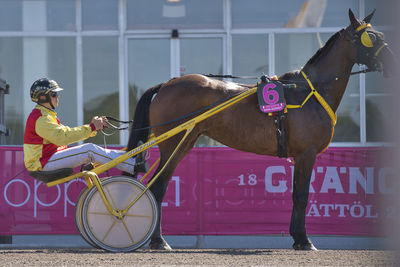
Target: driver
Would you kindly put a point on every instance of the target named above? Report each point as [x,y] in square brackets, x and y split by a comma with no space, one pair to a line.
[46,139]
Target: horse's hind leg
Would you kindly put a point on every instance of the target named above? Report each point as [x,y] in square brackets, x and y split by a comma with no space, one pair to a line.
[302,173]
[159,187]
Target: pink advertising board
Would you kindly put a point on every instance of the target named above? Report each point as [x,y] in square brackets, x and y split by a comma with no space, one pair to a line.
[221,191]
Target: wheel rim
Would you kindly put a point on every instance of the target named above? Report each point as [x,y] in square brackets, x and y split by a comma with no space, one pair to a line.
[111,233]
[78,217]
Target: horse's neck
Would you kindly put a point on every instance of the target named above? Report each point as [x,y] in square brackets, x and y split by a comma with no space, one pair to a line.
[324,71]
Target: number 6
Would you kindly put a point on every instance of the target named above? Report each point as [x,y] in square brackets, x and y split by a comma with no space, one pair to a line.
[267,94]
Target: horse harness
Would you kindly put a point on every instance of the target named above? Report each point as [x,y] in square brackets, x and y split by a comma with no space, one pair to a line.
[370,47]
[271,100]
[271,95]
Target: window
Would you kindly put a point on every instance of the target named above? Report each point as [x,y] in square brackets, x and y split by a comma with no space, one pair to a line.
[148,65]
[386,14]
[292,51]
[164,14]
[261,14]
[201,55]
[336,13]
[10,70]
[10,15]
[100,81]
[54,57]
[250,55]
[62,68]
[99,15]
[52,15]
[61,15]
[283,13]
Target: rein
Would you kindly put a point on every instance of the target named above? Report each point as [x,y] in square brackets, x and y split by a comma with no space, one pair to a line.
[171,121]
[359,32]
[313,92]
[290,81]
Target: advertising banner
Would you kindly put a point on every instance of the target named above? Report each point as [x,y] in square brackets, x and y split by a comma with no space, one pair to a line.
[221,191]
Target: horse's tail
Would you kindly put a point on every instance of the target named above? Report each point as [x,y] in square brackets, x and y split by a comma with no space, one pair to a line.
[141,119]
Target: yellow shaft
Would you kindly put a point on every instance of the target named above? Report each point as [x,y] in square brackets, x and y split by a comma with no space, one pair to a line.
[160,138]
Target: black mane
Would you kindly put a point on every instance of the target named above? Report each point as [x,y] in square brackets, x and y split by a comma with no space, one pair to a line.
[325,49]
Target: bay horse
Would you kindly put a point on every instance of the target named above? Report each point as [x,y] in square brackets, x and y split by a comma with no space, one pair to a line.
[244,127]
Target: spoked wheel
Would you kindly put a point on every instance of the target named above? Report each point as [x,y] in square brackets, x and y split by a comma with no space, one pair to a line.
[114,234]
[78,217]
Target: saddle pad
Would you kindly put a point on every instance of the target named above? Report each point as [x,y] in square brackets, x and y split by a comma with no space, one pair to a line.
[270,96]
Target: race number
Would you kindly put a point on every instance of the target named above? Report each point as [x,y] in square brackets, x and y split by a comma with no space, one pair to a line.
[271,96]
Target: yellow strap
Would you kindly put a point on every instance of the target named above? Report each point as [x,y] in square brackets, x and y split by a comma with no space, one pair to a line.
[293,106]
[305,100]
[326,107]
[379,49]
[320,99]
[363,26]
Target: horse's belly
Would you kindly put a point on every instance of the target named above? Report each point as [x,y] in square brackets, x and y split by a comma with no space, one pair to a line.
[254,134]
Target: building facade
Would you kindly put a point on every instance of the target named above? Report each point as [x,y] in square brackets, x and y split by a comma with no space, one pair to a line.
[105,53]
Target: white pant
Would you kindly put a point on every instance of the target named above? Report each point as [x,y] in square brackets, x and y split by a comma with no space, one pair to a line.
[87,153]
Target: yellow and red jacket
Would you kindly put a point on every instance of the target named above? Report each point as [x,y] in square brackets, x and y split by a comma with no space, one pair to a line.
[45,135]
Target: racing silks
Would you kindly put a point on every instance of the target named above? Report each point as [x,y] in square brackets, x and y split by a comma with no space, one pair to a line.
[45,135]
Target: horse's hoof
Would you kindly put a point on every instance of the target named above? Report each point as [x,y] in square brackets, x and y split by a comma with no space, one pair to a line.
[306,246]
[159,245]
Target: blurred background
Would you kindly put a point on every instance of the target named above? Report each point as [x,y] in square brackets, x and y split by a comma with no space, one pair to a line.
[105,53]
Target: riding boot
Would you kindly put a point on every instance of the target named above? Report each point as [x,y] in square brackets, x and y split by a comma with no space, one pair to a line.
[87,167]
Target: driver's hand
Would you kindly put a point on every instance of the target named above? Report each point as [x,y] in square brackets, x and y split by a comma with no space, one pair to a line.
[105,121]
[98,123]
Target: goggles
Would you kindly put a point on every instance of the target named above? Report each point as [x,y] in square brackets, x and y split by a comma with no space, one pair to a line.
[368,39]
[53,94]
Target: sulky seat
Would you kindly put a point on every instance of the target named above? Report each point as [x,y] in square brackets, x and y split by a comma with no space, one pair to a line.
[50,176]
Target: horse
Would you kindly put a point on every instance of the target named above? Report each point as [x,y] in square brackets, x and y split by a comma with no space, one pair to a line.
[244,127]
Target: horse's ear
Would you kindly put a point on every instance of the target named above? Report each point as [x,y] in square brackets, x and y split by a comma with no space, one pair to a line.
[354,21]
[369,17]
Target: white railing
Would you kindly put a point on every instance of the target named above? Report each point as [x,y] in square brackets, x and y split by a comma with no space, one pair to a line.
[3,130]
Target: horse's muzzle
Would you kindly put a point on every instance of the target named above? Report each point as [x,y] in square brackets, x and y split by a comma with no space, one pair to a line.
[387,62]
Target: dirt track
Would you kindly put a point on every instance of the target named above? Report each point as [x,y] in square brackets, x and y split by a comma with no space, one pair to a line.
[220,257]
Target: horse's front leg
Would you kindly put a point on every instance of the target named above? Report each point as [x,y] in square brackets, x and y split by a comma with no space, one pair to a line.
[304,164]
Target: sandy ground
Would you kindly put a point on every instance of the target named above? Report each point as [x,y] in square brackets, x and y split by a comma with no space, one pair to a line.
[191,257]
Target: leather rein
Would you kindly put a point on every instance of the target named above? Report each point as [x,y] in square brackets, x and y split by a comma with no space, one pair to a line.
[358,35]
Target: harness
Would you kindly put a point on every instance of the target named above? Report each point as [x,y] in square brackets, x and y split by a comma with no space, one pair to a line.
[366,49]
[278,110]
[320,99]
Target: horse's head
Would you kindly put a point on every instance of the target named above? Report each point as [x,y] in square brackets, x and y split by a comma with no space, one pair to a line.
[369,46]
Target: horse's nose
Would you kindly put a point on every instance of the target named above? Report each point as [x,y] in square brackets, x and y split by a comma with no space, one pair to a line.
[390,62]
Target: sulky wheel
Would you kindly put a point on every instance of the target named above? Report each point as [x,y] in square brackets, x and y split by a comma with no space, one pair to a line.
[78,217]
[108,231]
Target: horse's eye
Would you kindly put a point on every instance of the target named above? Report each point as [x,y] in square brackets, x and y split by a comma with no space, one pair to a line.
[368,39]
[372,36]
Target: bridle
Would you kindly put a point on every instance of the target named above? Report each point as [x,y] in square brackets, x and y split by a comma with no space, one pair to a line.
[369,46]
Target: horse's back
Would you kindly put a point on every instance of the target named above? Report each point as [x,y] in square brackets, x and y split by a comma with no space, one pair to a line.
[183,95]
[187,87]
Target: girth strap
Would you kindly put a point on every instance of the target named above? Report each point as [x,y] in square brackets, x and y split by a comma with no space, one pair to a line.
[320,99]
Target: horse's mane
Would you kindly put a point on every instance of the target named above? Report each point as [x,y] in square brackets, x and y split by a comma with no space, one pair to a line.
[325,49]
[293,76]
